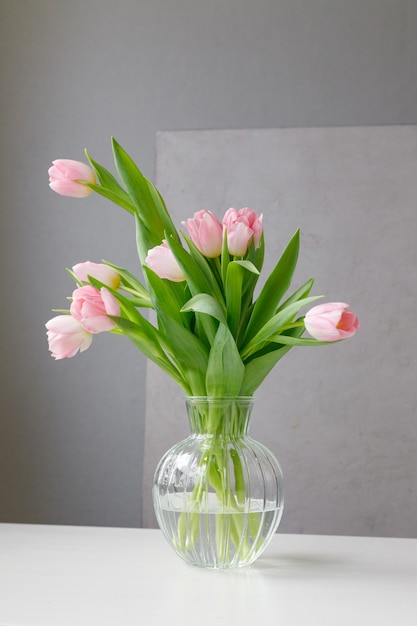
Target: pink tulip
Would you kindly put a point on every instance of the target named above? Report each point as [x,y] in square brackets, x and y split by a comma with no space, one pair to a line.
[66,337]
[64,177]
[91,308]
[242,226]
[161,260]
[331,321]
[206,233]
[100,271]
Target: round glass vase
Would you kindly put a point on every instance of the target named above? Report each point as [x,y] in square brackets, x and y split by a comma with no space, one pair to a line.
[218,495]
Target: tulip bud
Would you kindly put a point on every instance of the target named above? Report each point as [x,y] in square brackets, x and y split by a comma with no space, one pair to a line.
[161,260]
[331,321]
[91,308]
[241,227]
[66,337]
[65,176]
[206,233]
[105,274]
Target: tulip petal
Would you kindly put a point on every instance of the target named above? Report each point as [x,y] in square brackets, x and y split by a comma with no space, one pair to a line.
[161,260]
[331,321]
[65,176]
[66,337]
[206,233]
[91,308]
[99,271]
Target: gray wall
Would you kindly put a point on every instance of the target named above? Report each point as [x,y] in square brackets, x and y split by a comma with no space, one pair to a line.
[72,75]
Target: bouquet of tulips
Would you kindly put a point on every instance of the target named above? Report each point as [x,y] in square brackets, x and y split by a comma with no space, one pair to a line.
[212,335]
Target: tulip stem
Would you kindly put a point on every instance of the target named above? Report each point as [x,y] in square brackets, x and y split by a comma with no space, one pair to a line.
[296,324]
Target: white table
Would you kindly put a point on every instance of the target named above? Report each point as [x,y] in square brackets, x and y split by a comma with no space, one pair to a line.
[76,576]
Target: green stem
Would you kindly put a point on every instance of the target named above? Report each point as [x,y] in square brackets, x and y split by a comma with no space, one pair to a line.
[220,475]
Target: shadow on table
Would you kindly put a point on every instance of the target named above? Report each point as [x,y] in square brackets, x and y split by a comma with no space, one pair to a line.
[303,566]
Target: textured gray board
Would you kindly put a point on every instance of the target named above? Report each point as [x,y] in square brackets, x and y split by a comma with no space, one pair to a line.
[341,419]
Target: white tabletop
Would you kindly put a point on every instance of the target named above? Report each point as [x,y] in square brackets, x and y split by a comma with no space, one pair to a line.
[61,575]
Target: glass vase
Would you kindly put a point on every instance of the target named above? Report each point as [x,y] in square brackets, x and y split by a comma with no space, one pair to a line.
[218,494]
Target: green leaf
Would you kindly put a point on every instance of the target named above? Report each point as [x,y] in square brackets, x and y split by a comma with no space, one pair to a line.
[131,282]
[168,297]
[205,267]
[197,283]
[196,278]
[203,303]
[247,265]
[105,177]
[301,292]
[274,325]
[225,370]
[258,368]
[151,210]
[110,187]
[145,240]
[137,187]
[275,287]
[187,351]
[256,255]
[225,257]
[145,337]
[233,290]
[160,206]
[113,197]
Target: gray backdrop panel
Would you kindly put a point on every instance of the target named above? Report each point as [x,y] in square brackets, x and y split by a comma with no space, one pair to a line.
[341,419]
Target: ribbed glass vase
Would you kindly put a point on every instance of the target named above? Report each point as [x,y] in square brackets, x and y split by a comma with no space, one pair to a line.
[218,495]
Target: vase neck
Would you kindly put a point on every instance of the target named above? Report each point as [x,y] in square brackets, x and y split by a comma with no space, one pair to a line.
[212,415]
